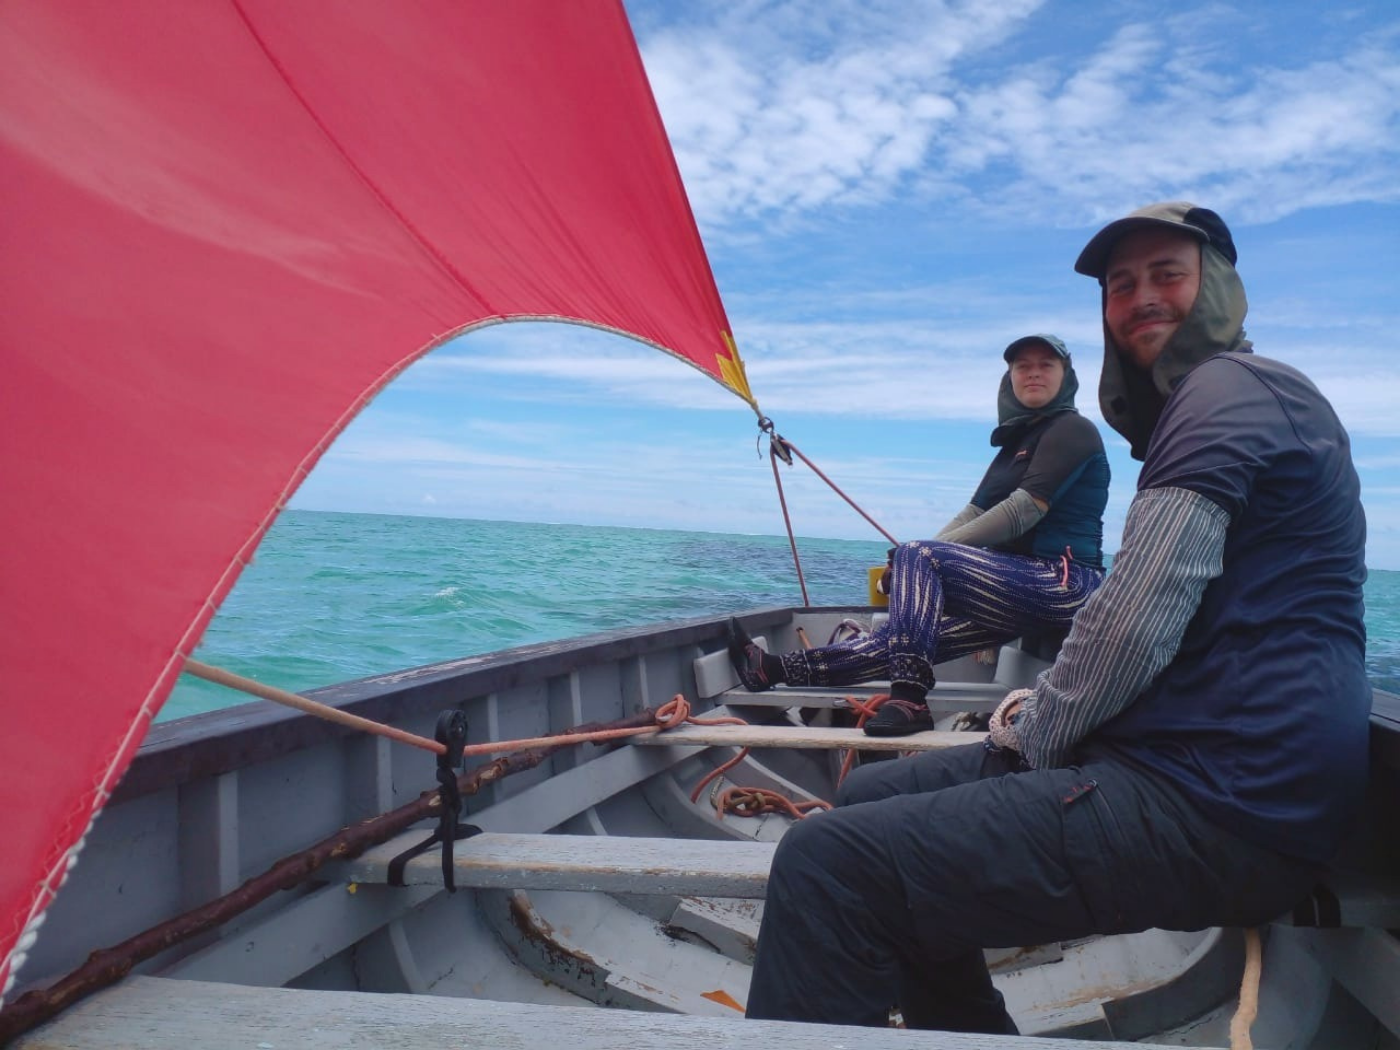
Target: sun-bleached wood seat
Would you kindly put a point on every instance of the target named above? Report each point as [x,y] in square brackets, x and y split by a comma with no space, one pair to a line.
[597,863]
[981,697]
[803,737]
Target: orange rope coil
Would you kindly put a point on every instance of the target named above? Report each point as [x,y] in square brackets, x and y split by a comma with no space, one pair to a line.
[866,710]
[753,802]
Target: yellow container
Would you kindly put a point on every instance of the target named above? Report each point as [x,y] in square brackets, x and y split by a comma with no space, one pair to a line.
[876,598]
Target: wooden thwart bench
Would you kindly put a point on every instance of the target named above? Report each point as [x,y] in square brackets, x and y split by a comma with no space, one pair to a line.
[803,737]
[982,697]
[601,863]
[723,868]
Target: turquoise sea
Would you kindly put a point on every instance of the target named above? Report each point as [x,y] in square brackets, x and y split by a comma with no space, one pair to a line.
[332,597]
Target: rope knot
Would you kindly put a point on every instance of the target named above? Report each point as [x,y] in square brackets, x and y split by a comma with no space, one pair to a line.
[744,802]
[674,712]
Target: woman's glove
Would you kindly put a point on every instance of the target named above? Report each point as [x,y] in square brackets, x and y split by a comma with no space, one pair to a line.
[1002,726]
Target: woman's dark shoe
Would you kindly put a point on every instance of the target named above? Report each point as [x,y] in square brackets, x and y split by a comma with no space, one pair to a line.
[755,668]
[898,717]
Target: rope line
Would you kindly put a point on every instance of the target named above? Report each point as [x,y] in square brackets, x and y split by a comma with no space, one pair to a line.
[253,687]
[780,447]
[836,489]
[754,802]
[787,522]
[718,771]
[1248,1009]
[751,801]
[675,712]
[866,710]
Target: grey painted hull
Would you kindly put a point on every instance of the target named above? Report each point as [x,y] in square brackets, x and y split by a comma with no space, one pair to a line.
[214,800]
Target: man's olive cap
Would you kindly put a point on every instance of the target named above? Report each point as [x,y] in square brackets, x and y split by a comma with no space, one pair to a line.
[1201,223]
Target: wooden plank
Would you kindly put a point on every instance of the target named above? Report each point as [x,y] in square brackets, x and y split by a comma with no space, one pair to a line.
[293,939]
[602,863]
[260,945]
[608,953]
[729,926]
[558,798]
[803,737]
[157,1014]
[784,698]
[714,674]
[965,696]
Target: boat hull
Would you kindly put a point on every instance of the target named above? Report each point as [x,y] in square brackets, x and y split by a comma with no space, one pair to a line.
[598,881]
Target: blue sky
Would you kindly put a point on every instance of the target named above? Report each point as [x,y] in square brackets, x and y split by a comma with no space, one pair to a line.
[889,193]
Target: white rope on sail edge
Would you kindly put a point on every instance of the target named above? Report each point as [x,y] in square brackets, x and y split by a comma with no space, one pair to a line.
[38,912]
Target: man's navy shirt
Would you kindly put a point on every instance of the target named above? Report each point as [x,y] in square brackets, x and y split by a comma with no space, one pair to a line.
[1262,717]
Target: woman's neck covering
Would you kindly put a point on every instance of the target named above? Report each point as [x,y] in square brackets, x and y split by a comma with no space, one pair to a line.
[1132,399]
[1013,417]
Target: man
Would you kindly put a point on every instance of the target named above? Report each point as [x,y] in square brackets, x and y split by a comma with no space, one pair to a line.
[1197,749]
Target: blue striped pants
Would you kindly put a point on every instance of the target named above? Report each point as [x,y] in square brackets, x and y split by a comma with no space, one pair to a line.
[948,600]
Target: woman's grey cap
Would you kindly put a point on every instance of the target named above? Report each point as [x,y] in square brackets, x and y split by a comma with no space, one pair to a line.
[1201,223]
[1049,340]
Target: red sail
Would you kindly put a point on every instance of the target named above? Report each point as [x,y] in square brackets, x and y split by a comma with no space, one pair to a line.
[226,227]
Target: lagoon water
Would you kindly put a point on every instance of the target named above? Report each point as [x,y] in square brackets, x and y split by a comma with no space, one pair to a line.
[332,597]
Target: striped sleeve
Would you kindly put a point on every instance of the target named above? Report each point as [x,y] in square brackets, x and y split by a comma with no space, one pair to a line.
[1132,626]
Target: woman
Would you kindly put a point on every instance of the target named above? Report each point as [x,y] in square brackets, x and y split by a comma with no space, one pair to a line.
[1022,557]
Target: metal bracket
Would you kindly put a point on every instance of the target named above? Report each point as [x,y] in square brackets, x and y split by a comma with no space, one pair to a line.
[776,444]
[452,734]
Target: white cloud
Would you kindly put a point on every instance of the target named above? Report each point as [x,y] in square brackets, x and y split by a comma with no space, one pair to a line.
[915,365]
[823,141]
[818,105]
[967,102]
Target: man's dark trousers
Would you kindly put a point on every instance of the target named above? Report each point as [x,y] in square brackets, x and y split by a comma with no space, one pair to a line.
[889,899]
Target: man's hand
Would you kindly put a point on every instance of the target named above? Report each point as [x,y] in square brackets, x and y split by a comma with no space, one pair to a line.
[1002,726]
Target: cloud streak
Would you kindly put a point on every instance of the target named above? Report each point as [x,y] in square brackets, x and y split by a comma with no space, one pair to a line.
[973,103]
